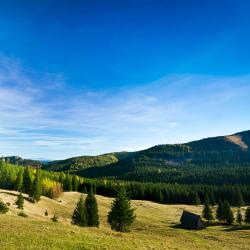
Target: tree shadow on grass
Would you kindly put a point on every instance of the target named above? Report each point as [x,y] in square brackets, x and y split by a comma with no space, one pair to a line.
[236,228]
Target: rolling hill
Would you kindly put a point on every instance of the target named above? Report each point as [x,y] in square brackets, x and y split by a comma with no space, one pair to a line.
[216,160]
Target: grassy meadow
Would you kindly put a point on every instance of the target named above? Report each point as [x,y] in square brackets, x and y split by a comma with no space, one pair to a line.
[155,228]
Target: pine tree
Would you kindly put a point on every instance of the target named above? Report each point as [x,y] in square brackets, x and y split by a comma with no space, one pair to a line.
[160,197]
[122,214]
[247,215]
[36,190]
[227,214]
[237,198]
[94,188]
[74,183]
[27,182]
[19,181]
[85,190]
[79,214]
[67,184]
[219,211]
[20,201]
[61,178]
[212,200]
[239,218]
[194,198]
[207,212]
[206,199]
[91,210]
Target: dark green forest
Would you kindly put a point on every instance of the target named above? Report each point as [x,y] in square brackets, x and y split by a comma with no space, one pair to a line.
[217,167]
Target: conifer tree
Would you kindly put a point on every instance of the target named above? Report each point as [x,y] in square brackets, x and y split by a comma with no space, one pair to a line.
[194,198]
[206,199]
[27,182]
[79,214]
[91,210]
[227,214]
[36,190]
[247,215]
[219,211]
[160,197]
[212,200]
[122,214]
[61,178]
[207,212]
[237,198]
[20,201]
[19,181]
[94,188]
[67,185]
[85,190]
[74,183]
[239,217]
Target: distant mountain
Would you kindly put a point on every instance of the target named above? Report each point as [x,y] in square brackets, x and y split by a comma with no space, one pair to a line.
[43,160]
[16,160]
[222,159]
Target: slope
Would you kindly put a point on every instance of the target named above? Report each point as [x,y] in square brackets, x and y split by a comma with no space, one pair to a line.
[228,155]
[149,232]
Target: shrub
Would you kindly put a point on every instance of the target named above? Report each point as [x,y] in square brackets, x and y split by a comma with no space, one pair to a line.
[3,208]
[22,214]
[55,218]
[20,201]
[51,189]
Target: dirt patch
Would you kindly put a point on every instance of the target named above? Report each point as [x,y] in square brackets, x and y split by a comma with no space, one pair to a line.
[236,139]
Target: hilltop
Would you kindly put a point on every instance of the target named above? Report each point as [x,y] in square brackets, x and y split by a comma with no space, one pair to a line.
[155,228]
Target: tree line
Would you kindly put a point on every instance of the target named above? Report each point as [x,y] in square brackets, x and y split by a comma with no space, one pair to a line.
[224,213]
[51,184]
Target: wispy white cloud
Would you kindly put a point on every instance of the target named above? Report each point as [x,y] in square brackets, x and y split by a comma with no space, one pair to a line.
[40,117]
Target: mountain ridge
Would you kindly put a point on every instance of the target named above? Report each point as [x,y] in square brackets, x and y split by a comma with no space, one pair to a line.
[160,161]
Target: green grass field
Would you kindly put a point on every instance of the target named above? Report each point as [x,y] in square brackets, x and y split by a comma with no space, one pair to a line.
[155,228]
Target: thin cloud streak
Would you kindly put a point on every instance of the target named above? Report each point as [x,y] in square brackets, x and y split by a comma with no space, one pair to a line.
[57,123]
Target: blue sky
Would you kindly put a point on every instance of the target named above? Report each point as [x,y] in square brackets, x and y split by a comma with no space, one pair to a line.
[89,77]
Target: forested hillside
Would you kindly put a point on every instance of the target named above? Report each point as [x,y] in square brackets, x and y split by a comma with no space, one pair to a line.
[219,160]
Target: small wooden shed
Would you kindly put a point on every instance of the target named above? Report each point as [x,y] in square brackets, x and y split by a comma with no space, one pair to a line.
[191,221]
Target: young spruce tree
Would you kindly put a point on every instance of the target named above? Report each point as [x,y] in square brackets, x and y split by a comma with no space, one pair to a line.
[27,182]
[79,214]
[19,181]
[20,201]
[91,210]
[207,212]
[74,183]
[237,198]
[122,214]
[219,211]
[227,214]
[36,190]
[194,198]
